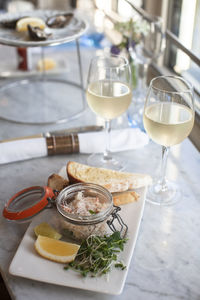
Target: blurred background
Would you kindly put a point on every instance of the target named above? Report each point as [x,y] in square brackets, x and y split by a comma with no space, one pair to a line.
[159,37]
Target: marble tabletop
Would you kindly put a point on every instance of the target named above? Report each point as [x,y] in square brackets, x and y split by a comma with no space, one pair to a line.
[173,276]
[166,260]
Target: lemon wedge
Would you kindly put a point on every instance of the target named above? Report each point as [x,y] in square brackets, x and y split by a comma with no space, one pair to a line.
[46,64]
[45,229]
[55,250]
[22,24]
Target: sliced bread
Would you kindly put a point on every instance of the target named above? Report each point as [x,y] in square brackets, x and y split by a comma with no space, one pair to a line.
[57,182]
[114,181]
[125,197]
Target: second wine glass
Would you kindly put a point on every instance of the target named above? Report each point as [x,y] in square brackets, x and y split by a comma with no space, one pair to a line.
[168,119]
[108,95]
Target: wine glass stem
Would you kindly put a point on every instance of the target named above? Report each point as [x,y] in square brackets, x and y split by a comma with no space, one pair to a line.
[143,76]
[165,151]
[106,154]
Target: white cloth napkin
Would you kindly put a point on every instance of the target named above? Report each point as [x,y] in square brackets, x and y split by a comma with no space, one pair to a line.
[90,142]
[120,140]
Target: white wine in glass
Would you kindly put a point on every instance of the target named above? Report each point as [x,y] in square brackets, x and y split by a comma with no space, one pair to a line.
[108,95]
[168,119]
[108,99]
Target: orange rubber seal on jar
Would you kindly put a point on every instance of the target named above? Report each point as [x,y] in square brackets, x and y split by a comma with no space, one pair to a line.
[46,192]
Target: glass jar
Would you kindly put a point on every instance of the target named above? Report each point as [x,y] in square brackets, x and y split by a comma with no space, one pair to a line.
[84,209]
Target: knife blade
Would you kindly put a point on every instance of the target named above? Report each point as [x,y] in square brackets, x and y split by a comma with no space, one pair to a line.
[62,132]
[74,130]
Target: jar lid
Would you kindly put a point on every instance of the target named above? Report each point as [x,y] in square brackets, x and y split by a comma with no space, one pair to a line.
[27,203]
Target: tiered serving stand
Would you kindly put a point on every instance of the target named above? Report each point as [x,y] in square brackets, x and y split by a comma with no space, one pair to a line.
[42,99]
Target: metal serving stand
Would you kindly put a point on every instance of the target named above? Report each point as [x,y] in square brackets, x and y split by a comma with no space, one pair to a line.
[42,99]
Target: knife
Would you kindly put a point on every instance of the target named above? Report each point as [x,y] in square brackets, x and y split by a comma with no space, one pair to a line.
[62,132]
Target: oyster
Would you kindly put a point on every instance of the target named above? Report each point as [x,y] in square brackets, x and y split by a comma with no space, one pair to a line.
[59,20]
[37,34]
[10,24]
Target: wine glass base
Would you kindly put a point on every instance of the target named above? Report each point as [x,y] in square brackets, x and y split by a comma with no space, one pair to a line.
[97,160]
[163,196]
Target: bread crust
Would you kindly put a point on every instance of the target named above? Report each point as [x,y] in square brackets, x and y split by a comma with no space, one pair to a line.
[57,182]
[125,197]
[114,181]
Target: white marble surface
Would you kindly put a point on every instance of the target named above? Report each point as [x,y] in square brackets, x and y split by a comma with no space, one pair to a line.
[175,230]
[176,278]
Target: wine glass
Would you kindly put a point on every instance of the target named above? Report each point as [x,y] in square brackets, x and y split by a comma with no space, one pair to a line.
[108,95]
[168,118]
[150,48]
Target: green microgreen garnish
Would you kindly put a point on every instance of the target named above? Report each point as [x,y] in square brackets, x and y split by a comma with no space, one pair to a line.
[92,212]
[97,255]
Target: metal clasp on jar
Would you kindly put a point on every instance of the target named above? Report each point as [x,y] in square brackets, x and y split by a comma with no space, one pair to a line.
[51,201]
[115,216]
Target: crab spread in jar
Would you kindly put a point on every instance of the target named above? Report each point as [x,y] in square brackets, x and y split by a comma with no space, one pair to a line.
[85,209]
[85,205]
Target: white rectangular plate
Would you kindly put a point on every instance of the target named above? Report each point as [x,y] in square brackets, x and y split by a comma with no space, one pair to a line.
[28,264]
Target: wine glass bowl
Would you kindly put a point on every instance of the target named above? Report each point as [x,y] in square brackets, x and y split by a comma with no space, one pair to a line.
[149,49]
[108,95]
[168,119]
[154,43]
